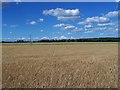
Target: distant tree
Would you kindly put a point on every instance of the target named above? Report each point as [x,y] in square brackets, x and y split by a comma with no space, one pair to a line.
[20,41]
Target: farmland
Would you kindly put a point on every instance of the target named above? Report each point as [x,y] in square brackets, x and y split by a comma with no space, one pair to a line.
[53,65]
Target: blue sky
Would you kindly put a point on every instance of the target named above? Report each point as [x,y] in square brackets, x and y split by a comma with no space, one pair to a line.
[55,20]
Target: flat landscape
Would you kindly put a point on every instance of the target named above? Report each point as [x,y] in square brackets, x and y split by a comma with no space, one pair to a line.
[70,65]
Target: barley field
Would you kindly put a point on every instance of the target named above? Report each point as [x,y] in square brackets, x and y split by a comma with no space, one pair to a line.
[75,65]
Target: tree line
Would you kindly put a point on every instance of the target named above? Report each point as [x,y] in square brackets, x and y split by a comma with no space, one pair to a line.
[69,40]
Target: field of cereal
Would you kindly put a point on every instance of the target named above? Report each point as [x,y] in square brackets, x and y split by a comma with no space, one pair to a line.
[79,65]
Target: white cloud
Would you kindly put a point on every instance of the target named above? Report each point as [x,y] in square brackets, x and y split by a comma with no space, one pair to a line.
[62,37]
[63,14]
[88,26]
[70,27]
[101,34]
[33,22]
[88,32]
[66,18]
[82,23]
[11,32]
[55,38]
[41,30]
[97,20]
[45,38]
[106,24]
[17,0]
[110,31]
[77,30]
[94,20]
[69,33]
[60,25]
[117,0]
[23,38]
[102,19]
[67,27]
[40,20]
[100,28]
[116,29]
[112,14]
[71,37]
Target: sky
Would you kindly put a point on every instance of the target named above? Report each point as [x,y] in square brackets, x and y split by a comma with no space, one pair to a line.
[57,20]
